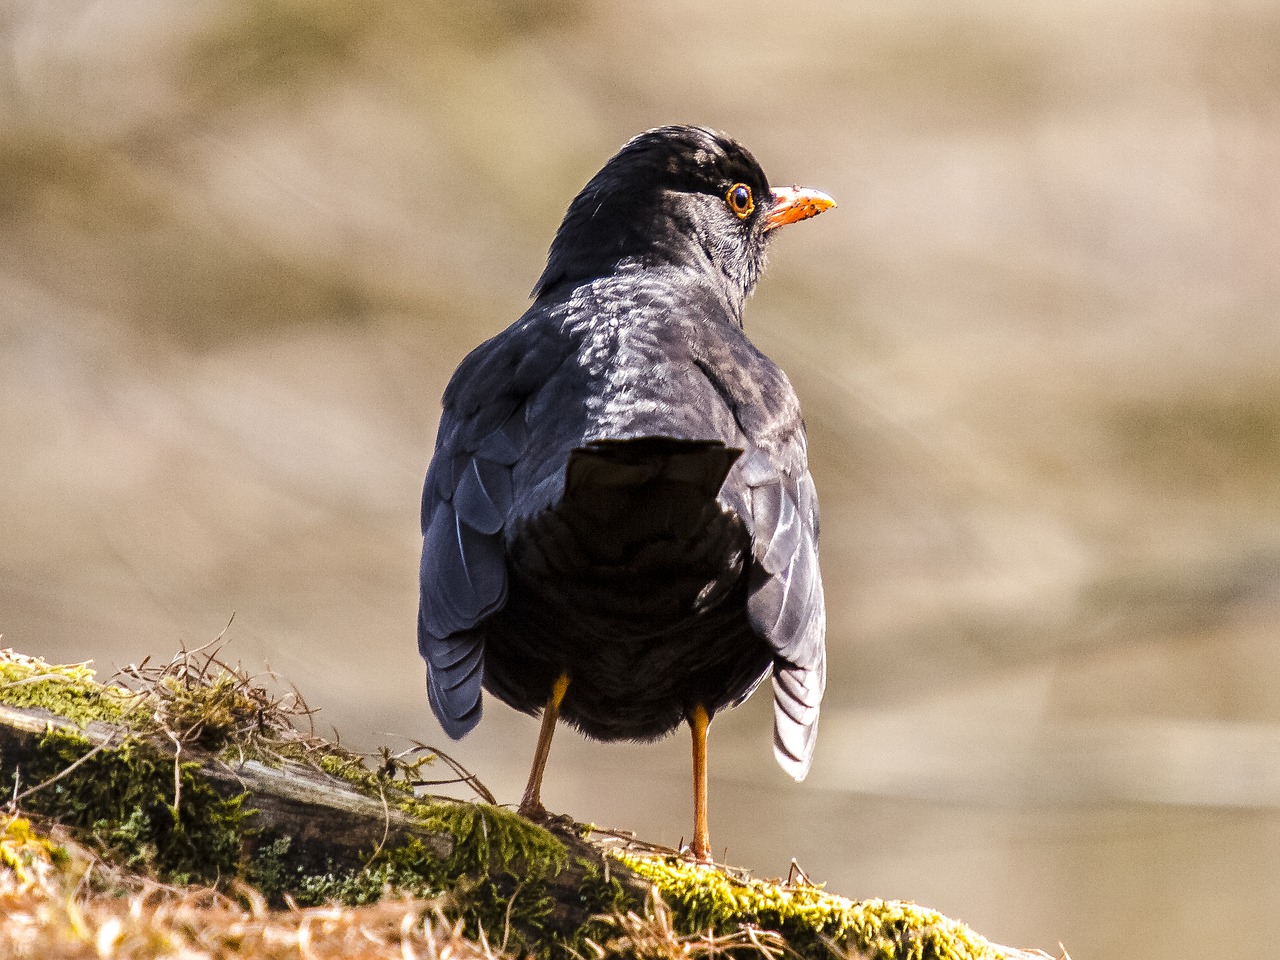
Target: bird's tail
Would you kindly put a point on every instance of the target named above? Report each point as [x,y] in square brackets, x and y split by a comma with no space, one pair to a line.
[639,487]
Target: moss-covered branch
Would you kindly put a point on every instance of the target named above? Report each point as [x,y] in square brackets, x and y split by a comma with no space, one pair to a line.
[194,774]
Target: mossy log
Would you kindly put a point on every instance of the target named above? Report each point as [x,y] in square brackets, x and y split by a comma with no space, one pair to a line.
[191,781]
[328,818]
[292,829]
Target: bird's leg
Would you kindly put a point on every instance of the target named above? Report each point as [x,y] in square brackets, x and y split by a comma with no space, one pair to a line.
[699,721]
[531,803]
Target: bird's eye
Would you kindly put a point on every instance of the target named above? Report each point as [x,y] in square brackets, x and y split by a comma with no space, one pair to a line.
[740,201]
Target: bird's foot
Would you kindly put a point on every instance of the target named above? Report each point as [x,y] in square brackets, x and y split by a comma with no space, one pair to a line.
[531,808]
[699,854]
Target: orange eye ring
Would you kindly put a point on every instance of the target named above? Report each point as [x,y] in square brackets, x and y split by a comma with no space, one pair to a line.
[740,200]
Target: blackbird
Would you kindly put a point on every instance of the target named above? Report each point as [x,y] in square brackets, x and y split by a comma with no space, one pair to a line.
[619,526]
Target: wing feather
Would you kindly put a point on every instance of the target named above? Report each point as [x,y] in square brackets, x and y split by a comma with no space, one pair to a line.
[467,506]
[786,603]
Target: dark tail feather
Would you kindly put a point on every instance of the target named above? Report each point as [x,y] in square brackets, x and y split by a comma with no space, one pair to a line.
[455,671]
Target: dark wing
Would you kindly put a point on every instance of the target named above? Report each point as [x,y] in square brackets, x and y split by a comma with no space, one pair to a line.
[467,503]
[786,603]
[770,488]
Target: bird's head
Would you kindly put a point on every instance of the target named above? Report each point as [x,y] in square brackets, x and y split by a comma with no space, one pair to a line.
[677,196]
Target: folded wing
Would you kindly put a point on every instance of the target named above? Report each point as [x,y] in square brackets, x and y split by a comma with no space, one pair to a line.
[786,604]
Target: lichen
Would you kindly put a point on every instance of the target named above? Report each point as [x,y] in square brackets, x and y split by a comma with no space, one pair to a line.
[812,920]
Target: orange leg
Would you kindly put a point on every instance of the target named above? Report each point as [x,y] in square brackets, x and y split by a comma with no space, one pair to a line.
[699,721]
[531,803]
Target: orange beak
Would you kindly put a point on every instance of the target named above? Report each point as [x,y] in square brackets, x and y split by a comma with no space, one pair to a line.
[795,203]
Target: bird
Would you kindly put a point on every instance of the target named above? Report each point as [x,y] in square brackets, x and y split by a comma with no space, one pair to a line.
[619,525]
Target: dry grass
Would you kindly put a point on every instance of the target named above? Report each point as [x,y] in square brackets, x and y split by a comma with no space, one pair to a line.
[205,925]
[61,903]
[199,698]
[654,935]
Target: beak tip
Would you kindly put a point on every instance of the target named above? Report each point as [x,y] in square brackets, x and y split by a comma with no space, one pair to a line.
[792,204]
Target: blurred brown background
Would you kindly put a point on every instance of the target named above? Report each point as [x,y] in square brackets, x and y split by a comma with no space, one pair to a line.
[243,243]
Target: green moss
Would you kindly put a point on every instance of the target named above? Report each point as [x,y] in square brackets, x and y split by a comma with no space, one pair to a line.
[603,898]
[269,870]
[121,799]
[68,691]
[410,869]
[130,801]
[489,840]
[495,880]
[517,917]
[495,877]
[600,893]
[812,920]
[381,783]
[26,854]
[209,713]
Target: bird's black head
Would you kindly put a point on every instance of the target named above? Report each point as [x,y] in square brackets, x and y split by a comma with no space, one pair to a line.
[681,196]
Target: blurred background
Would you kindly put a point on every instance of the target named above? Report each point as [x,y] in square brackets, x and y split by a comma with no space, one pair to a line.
[243,244]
